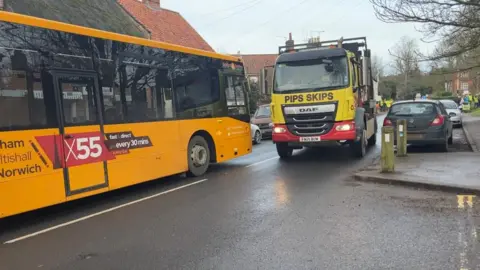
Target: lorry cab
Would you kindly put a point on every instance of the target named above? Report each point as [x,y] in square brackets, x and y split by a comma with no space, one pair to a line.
[323,94]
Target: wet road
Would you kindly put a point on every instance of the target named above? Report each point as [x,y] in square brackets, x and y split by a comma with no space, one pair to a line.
[255,212]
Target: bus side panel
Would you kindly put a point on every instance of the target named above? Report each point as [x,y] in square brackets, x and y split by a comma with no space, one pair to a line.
[229,135]
[143,151]
[30,177]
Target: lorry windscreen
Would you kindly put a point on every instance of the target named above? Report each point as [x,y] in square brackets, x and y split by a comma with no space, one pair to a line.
[312,74]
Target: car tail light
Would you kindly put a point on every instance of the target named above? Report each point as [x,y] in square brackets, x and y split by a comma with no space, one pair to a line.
[438,121]
[387,122]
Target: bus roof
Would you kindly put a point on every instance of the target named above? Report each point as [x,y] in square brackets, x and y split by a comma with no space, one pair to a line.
[81,30]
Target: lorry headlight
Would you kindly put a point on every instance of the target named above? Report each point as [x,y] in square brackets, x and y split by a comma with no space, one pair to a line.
[279,130]
[344,127]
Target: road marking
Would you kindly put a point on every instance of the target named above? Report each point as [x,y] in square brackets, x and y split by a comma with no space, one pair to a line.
[101,213]
[260,162]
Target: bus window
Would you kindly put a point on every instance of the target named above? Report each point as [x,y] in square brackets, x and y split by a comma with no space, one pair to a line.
[235,93]
[139,82]
[22,104]
[193,84]
[164,94]
[79,103]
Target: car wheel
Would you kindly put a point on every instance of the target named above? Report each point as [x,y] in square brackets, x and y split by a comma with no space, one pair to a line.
[284,151]
[359,148]
[373,140]
[198,156]
[257,138]
[444,146]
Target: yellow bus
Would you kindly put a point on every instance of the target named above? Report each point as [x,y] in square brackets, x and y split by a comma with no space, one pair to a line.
[84,111]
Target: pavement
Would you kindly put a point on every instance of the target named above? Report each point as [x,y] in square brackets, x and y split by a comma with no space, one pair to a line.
[451,171]
[471,126]
[254,212]
[455,170]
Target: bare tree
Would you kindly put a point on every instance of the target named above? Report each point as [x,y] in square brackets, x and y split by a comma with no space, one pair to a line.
[456,23]
[377,66]
[405,61]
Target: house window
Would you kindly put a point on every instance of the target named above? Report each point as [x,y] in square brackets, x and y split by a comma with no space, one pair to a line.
[464,86]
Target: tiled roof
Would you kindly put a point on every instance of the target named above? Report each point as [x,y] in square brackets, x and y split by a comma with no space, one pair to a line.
[165,25]
[104,15]
[254,63]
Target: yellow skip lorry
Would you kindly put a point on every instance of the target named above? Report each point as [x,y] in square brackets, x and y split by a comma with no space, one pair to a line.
[323,95]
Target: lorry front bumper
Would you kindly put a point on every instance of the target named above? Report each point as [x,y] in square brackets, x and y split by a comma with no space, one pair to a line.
[281,134]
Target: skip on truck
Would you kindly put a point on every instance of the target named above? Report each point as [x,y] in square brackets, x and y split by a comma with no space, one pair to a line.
[323,95]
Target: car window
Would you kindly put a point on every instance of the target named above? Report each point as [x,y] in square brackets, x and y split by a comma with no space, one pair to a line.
[450,104]
[442,109]
[263,111]
[414,108]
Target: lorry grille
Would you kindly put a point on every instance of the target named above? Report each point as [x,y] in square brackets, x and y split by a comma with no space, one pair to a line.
[310,124]
[301,122]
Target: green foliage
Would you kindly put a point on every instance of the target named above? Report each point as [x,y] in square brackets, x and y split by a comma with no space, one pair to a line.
[387,89]
[256,98]
[476,112]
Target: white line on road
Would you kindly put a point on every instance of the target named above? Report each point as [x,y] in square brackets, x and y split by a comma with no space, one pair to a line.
[260,162]
[101,213]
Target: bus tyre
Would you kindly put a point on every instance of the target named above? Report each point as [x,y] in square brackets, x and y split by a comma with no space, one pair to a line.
[198,156]
[284,151]
[359,148]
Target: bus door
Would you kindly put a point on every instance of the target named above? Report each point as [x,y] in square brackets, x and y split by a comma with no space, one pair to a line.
[84,158]
[237,100]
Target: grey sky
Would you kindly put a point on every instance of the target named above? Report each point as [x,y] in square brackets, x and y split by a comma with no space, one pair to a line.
[260,26]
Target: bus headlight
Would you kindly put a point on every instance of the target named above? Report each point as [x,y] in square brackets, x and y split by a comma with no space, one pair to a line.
[344,127]
[279,130]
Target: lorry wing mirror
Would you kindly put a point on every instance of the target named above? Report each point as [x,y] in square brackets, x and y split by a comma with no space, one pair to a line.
[355,89]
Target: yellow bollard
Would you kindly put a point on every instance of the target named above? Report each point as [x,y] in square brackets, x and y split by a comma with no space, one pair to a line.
[388,155]
[402,138]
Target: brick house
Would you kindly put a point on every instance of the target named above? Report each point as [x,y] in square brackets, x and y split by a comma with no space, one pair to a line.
[163,24]
[105,15]
[141,18]
[258,69]
[463,82]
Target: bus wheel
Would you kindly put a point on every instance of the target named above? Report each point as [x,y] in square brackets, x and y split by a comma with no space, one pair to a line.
[198,156]
[284,151]
[359,148]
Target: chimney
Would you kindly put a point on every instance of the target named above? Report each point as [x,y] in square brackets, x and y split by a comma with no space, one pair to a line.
[154,3]
[290,43]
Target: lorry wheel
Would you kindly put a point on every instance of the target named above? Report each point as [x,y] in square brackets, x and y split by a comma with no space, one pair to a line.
[359,148]
[198,156]
[284,151]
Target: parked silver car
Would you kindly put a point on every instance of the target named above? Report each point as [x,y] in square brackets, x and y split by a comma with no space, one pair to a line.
[256,134]
[453,111]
